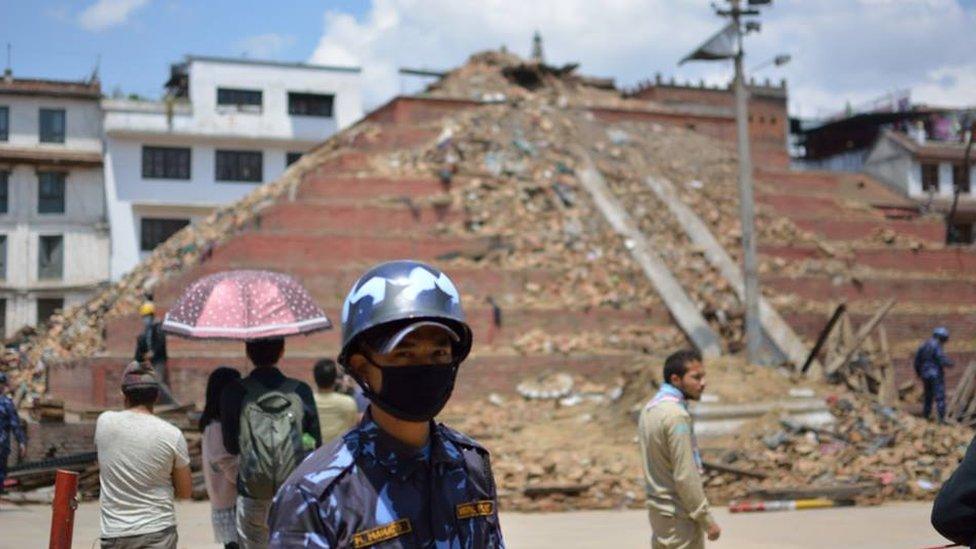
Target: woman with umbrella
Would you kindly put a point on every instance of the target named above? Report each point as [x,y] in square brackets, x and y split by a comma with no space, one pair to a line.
[268,419]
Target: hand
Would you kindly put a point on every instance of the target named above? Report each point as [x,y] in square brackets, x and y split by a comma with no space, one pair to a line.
[713,532]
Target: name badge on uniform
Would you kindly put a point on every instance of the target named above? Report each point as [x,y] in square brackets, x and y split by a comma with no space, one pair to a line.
[471,509]
[382,533]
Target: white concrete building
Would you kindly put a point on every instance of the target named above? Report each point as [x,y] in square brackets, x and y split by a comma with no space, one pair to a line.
[54,239]
[928,173]
[226,126]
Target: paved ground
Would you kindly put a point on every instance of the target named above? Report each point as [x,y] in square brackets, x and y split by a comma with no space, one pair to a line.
[902,525]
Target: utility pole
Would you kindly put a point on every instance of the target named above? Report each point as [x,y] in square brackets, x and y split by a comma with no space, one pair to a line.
[750,271]
[727,44]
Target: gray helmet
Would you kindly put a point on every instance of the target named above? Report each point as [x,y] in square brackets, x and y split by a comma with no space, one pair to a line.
[403,293]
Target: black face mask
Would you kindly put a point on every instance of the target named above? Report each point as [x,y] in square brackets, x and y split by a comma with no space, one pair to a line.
[413,393]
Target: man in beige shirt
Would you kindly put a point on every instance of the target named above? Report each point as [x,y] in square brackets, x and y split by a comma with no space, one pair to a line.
[337,412]
[677,507]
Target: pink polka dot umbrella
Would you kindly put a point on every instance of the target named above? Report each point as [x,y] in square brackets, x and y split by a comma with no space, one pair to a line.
[245,305]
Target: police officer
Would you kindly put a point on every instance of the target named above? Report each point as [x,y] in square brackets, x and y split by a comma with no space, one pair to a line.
[9,423]
[398,479]
[930,364]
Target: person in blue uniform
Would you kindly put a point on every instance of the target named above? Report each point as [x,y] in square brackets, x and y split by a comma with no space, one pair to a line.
[9,423]
[398,479]
[930,364]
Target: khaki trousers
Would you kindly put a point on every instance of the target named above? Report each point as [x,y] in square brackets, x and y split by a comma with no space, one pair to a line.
[668,532]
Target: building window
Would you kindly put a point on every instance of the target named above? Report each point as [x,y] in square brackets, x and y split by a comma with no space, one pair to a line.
[3,256]
[52,126]
[47,306]
[50,192]
[960,233]
[310,104]
[960,178]
[239,166]
[291,158]
[153,232]
[4,192]
[930,178]
[165,163]
[241,100]
[4,123]
[50,257]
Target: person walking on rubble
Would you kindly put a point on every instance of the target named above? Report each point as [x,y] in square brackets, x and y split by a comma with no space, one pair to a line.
[266,418]
[151,348]
[930,364]
[677,507]
[398,479]
[219,466]
[337,411]
[143,465]
[9,425]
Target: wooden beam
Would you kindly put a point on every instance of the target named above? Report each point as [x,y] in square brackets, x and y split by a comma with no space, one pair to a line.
[859,338]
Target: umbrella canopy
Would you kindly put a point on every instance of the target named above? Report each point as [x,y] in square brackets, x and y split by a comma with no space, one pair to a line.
[245,305]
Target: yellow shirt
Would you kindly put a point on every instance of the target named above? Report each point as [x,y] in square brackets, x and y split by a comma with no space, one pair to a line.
[337,414]
[674,485]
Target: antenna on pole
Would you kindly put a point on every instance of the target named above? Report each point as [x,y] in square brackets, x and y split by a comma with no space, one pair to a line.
[8,71]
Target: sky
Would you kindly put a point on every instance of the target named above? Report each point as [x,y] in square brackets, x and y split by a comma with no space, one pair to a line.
[843,51]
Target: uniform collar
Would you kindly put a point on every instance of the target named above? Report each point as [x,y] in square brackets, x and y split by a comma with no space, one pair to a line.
[374,445]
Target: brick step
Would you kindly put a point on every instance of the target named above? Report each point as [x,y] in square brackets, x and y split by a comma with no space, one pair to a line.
[121,332]
[901,326]
[800,206]
[387,137]
[411,110]
[856,186]
[346,161]
[917,291]
[327,186]
[924,291]
[362,218]
[334,281]
[946,260]
[95,382]
[283,251]
[848,229]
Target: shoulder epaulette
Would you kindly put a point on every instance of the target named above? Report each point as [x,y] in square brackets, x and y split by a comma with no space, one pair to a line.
[321,471]
[461,439]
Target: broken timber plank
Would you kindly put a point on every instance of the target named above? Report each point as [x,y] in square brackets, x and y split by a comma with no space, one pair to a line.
[862,334]
[722,468]
[823,338]
[684,310]
[777,330]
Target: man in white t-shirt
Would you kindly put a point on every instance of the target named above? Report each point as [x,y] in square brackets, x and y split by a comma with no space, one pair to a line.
[143,464]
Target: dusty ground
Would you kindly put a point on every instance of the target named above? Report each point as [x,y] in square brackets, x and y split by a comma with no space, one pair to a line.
[896,525]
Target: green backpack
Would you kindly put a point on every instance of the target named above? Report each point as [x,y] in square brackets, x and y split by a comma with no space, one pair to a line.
[270,438]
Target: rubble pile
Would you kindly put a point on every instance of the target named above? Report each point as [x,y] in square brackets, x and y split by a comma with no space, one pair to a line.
[884,452]
[499,77]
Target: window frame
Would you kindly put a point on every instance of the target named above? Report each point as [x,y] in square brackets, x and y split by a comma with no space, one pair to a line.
[4,252]
[40,191]
[57,139]
[167,154]
[961,177]
[236,158]
[239,106]
[4,192]
[928,169]
[41,271]
[292,157]
[294,99]
[142,230]
[4,123]
[37,307]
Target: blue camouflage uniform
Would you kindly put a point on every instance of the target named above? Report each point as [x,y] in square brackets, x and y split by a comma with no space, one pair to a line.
[9,423]
[930,364]
[367,489]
